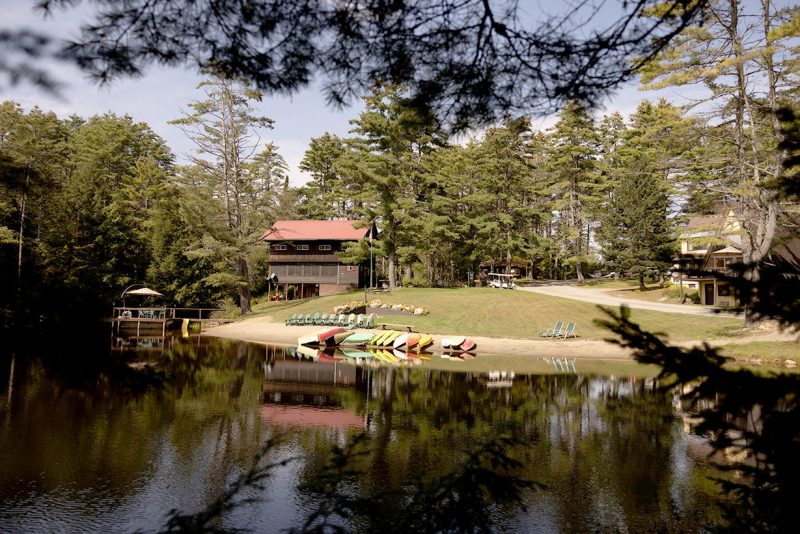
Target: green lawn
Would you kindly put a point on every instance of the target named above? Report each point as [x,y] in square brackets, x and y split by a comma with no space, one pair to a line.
[757,349]
[504,313]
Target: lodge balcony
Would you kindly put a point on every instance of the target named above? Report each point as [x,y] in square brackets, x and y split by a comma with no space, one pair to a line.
[304,258]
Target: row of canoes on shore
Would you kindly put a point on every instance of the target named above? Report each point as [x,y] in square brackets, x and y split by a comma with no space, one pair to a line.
[363,356]
[392,339]
[373,356]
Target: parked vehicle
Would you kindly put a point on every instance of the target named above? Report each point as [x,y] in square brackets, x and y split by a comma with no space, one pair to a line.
[503,281]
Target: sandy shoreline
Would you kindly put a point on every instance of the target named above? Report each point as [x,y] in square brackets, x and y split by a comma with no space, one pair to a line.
[263,329]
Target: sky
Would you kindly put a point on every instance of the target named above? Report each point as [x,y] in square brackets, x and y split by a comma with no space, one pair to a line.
[162,93]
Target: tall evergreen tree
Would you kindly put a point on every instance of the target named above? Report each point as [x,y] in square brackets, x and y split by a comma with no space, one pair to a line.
[385,164]
[576,185]
[234,188]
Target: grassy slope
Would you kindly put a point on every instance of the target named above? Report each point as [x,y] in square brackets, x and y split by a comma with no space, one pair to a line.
[504,313]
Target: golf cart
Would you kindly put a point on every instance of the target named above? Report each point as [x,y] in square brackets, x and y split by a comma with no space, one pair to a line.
[503,281]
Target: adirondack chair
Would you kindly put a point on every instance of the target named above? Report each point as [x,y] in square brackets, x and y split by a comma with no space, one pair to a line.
[370,321]
[342,319]
[569,332]
[307,320]
[324,319]
[292,320]
[351,320]
[333,319]
[552,332]
[360,321]
[315,319]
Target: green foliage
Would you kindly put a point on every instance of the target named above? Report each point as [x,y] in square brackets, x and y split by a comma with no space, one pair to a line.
[636,231]
[459,501]
[231,198]
[741,412]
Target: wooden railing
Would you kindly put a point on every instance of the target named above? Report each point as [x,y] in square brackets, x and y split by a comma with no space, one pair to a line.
[162,313]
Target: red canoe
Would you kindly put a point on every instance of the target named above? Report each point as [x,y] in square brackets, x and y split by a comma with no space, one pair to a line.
[327,335]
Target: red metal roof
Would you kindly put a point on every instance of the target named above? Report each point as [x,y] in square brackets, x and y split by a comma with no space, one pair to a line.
[315,230]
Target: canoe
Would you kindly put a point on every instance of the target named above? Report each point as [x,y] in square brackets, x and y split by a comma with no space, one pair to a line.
[446,342]
[388,356]
[399,354]
[424,341]
[388,341]
[412,341]
[308,352]
[359,338]
[308,339]
[456,341]
[379,340]
[467,345]
[400,340]
[339,338]
[327,357]
[357,354]
[424,356]
[328,336]
[466,356]
[376,354]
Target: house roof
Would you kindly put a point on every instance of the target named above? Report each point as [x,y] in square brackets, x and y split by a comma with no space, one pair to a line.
[315,230]
[704,222]
[728,250]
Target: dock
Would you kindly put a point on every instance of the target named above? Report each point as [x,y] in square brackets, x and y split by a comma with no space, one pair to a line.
[154,319]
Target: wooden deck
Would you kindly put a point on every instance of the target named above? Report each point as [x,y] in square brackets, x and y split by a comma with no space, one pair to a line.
[161,319]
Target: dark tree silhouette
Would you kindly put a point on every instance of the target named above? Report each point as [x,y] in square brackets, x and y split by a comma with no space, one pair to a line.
[470,61]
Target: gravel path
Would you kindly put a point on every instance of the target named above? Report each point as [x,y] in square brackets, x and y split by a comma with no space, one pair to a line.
[600,296]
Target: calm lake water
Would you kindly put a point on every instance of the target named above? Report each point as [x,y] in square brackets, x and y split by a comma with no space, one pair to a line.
[106,447]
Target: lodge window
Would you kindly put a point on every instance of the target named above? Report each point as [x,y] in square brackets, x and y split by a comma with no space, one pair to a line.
[724,291]
[324,247]
[350,268]
[278,247]
[302,247]
[719,262]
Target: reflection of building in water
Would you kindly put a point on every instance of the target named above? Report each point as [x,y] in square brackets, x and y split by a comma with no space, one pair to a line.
[500,379]
[142,343]
[303,393]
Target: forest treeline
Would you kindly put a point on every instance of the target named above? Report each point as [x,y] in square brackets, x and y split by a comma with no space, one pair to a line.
[91,205]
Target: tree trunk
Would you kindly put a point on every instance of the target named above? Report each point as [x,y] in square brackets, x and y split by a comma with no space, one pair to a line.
[579,272]
[642,287]
[22,206]
[244,286]
[392,259]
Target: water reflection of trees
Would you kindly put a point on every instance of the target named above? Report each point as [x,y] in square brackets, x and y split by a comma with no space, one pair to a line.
[601,446]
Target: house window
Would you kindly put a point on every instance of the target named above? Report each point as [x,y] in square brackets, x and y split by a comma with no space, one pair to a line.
[350,268]
[719,262]
[324,247]
[302,247]
[278,247]
[724,291]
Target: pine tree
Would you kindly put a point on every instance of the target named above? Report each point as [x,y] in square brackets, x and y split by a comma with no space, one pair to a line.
[636,230]
[576,184]
[233,190]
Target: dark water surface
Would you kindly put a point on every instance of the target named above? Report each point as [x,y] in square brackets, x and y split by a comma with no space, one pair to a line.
[117,450]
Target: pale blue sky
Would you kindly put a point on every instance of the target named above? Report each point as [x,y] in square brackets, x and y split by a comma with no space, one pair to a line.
[161,93]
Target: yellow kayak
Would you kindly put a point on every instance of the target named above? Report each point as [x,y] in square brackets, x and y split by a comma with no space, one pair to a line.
[388,341]
[377,340]
[424,341]
[388,356]
[377,355]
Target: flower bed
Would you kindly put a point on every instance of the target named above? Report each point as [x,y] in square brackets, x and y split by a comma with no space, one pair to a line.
[379,307]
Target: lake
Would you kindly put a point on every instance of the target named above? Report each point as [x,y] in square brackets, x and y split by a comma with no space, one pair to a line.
[112,438]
